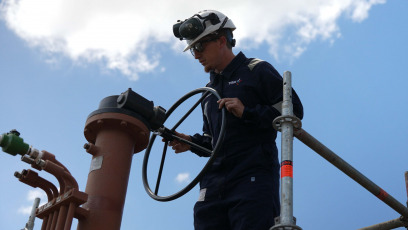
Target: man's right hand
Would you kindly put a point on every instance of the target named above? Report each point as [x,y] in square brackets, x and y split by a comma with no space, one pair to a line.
[178,146]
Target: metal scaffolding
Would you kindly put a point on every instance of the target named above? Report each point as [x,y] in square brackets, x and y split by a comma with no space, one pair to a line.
[290,126]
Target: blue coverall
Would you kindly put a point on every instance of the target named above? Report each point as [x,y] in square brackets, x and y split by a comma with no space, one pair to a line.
[241,189]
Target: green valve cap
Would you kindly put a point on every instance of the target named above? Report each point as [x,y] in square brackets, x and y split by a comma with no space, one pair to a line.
[13,144]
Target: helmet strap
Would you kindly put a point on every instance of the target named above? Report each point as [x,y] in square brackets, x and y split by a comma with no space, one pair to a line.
[223,23]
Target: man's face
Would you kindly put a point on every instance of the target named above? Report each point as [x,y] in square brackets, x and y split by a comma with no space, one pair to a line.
[208,53]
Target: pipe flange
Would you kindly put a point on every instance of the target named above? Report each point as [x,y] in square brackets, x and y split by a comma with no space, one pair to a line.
[277,122]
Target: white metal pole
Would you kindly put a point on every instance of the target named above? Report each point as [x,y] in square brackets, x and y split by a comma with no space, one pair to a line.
[287,153]
[31,219]
[286,220]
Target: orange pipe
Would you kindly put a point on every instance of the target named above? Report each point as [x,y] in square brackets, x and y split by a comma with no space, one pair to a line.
[65,179]
[53,167]
[115,137]
[44,223]
[49,222]
[62,215]
[70,216]
[54,220]
[51,157]
[31,178]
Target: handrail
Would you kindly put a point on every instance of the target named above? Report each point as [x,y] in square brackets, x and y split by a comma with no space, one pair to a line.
[350,171]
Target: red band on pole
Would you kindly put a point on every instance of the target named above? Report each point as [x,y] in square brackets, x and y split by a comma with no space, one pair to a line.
[287,169]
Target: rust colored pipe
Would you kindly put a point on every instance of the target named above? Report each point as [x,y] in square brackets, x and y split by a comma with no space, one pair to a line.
[60,180]
[49,222]
[31,178]
[62,215]
[115,137]
[44,223]
[54,220]
[65,179]
[35,155]
[70,216]
[45,155]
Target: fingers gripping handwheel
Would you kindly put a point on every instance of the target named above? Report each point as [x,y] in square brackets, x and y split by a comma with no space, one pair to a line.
[168,134]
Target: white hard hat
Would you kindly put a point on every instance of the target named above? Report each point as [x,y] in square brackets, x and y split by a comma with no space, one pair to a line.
[201,24]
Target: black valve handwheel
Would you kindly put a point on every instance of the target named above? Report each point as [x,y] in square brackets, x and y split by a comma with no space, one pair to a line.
[168,134]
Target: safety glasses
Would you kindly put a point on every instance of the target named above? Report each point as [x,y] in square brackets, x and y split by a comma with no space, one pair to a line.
[199,46]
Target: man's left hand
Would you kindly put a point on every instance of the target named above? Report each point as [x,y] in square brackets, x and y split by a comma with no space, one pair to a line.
[233,105]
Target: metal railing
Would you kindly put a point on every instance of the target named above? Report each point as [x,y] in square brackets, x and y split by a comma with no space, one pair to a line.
[290,126]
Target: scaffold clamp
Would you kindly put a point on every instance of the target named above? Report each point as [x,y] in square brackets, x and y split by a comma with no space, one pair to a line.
[296,122]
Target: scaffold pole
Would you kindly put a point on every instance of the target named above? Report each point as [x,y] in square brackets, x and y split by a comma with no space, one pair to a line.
[285,124]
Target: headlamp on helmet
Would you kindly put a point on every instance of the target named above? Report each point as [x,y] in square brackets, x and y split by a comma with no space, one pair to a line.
[192,27]
[200,25]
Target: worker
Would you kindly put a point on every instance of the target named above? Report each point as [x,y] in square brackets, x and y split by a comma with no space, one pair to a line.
[240,191]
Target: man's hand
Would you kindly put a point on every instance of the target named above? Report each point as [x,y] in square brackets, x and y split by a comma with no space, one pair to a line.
[233,105]
[178,146]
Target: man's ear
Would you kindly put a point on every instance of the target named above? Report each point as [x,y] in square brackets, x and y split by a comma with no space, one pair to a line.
[223,40]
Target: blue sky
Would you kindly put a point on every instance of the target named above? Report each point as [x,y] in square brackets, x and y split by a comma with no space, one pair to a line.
[348,61]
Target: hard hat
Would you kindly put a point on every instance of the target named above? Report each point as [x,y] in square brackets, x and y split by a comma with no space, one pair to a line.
[201,24]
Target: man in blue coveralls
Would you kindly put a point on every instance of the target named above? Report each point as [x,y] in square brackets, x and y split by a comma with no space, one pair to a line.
[241,189]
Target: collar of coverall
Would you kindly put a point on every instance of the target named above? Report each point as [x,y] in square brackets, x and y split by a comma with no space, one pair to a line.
[231,67]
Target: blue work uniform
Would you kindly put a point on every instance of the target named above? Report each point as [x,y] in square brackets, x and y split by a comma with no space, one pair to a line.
[241,188]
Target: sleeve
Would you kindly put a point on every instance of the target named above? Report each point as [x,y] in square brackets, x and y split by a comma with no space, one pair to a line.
[270,89]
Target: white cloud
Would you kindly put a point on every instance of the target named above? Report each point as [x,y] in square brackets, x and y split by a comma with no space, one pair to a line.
[183,178]
[31,195]
[124,33]
[26,210]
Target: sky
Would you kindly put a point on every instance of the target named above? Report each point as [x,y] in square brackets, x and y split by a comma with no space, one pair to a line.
[59,59]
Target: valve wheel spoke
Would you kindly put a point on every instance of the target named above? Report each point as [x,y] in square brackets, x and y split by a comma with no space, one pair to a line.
[156,191]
